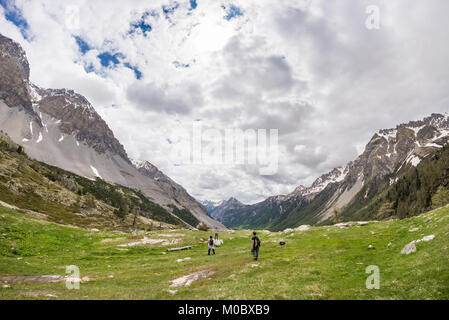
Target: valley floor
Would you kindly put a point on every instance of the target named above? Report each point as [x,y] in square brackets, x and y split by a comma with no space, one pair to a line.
[321,263]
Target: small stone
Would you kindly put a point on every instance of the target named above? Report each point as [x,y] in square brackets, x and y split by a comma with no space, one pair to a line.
[428,238]
[19,258]
[409,248]
[370,246]
[389,244]
[51,295]
[428,220]
[6,286]
[111,276]
[413,229]
[94,230]
[254,266]
[85,279]
[172,291]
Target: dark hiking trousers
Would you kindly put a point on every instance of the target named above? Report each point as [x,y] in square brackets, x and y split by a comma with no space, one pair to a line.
[255,253]
[213,250]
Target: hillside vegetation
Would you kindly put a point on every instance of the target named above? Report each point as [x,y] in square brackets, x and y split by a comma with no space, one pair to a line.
[67,198]
[326,262]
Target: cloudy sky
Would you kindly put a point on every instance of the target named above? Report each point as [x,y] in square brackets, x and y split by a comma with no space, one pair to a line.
[309,68]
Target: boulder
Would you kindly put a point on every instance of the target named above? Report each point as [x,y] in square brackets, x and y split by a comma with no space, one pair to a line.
[187,280]
[428,238]
[288,230]
[409,248]
[218,243]
[303,228]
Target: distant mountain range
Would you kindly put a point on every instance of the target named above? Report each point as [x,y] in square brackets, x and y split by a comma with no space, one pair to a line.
[359,189]
[61,128]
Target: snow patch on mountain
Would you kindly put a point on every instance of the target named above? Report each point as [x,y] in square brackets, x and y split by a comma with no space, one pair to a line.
[95,171]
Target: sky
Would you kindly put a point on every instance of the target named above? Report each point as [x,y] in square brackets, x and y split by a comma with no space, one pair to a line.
[315,70]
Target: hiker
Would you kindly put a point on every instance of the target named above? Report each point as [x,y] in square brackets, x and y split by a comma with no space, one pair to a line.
[210,245]
[216,233]
[255,245]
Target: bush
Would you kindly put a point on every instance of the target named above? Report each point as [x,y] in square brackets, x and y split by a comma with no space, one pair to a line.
[440,198]
[202,226]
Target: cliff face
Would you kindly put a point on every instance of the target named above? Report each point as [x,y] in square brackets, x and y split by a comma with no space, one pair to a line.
[14,75]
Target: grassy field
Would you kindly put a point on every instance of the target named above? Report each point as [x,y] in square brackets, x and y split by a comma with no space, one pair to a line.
[322,263]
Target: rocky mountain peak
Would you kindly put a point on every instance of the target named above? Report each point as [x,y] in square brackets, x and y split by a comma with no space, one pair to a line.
[78,118]
[14,76]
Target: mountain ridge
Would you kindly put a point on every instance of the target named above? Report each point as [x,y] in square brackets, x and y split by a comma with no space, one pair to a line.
[61,128]
[388,154]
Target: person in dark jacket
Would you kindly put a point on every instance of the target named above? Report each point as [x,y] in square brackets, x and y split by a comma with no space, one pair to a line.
[210,245]
[255,245]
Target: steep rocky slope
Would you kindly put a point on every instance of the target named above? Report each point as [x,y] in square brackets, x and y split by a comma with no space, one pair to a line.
[66,198]
[61,128]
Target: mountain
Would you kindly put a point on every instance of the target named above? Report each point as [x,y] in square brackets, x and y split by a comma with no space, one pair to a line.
[211,205]
[222,210]
[390,155]
[61,196]
[61,128]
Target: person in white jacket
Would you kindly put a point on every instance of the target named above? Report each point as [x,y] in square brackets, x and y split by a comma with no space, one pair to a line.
[211,246]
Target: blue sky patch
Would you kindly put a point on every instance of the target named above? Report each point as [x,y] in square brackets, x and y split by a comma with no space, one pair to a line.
[141,25]
[14,15]
[232,12]
[169,10]
[107,59]
[82,45]
[137,72]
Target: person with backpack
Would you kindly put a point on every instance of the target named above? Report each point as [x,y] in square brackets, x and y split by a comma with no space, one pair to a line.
[210,245]
[216,233]
[255,241]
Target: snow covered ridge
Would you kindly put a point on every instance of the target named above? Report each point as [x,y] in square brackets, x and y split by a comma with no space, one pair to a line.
[336,175]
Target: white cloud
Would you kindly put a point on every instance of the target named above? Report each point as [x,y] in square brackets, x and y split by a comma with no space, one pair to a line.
[308,68]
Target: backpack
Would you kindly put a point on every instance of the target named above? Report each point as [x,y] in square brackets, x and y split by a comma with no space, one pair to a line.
[257,242]
[211,242]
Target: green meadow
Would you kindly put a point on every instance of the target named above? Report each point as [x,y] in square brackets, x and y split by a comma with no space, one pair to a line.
[322,263]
